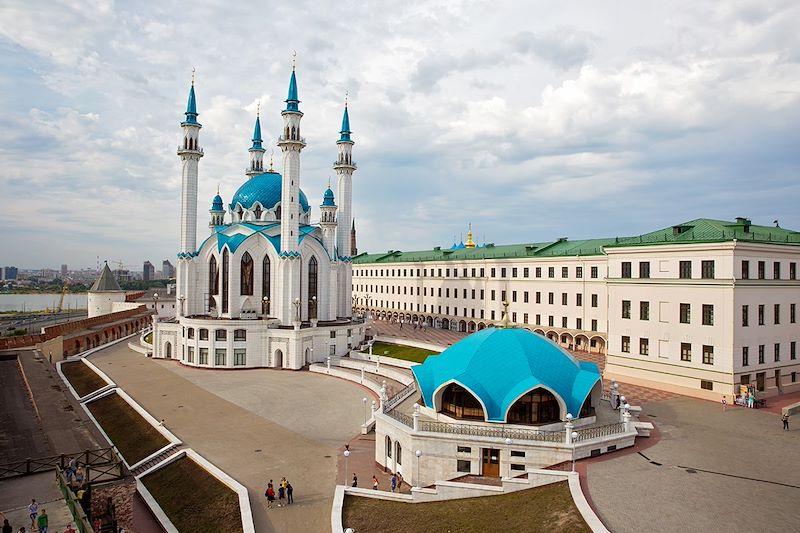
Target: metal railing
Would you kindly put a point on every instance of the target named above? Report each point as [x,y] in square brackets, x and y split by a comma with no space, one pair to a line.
[398,398]
[500,432]
[402,418]
[102,461]
[599,431]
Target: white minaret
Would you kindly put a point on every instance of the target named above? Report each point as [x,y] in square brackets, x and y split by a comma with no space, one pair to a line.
[190,153]
[291,143]
[256,151]
[344,168]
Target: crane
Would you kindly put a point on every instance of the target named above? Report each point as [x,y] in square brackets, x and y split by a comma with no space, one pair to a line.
[63,293]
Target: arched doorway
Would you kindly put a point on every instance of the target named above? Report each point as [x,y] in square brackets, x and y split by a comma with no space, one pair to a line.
[459,403]
[445,323]
[278,359]
[462,325]
[481,326]
[537,406]
[306,356]
[168,350]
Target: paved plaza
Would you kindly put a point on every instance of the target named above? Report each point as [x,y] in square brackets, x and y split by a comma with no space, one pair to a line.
[255,425]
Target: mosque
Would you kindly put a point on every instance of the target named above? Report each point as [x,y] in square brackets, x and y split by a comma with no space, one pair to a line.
[267,287]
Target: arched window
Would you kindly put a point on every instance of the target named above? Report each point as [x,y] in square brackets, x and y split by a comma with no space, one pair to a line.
[458,402]
[266,280]
[587,409]
[278,213]
[246,278]
[312,287]
[213,281]
[398,452]
[225,280]
[388,447]
[257,212]
[538,406]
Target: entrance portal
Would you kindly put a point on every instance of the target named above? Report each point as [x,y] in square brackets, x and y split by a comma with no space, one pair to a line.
[490,462]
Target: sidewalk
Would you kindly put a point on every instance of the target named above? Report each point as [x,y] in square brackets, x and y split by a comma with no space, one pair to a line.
[16,494]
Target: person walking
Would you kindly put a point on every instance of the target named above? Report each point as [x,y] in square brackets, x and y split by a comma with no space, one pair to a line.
[374,483]
[394,482]
[724,403]
[270,494]
[785,419]
[355,481]
[41,521]
[281,494]
[7,527]
[33,510]
[70,529]
[289,492]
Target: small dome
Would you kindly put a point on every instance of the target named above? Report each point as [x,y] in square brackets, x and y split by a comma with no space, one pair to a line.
[498,366]
[216,204]
[327,199]
[266,190]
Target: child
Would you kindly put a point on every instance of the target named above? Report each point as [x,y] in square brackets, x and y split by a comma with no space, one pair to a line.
[270,494]
[374,483]
[33,510]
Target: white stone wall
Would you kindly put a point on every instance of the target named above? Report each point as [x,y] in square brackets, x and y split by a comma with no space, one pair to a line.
[102,302]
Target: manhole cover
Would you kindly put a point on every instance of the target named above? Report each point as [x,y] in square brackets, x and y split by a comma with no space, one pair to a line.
[691,471]
[258,450]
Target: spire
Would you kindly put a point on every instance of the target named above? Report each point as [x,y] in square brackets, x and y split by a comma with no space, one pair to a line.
[257,131]
[469,243]
[345,124]
[291,100]
[191,106]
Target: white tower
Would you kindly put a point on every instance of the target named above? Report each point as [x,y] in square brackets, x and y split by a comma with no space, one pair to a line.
[344,168]
[327,222]
[256,151]
[217,213]
[190,154]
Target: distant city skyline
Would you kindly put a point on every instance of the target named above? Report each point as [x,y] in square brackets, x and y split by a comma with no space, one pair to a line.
[531,122]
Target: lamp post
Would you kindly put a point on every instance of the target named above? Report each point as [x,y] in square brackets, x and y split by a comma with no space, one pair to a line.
[418,453]
[346,455]
[155,306]
[297,309]
[313,309]
[365,409]
[265,306]
[574,438]
[508,445]
[182,299]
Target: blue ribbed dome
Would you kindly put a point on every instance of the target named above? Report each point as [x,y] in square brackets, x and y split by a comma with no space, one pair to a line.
[499,365]
[327,198]
[217,204]
[265,189]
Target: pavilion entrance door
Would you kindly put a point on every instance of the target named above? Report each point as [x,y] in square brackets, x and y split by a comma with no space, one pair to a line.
[490,462]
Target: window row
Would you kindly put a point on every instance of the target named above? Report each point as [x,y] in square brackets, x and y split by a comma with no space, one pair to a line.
[686,349]
[220,356]
[761,270]
[684,313]
[477,272]
[776,353]
[761,314]
[480,294]
[219,334]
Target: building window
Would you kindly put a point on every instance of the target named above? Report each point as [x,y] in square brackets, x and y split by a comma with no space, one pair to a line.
[460,403]
[745,356]
[246,275]
[239,357]
[594,325]
[492,295]
[745,269]
[203,356]
[644,346]
[761,314]
[760,354]
[518,468]
[464,449]
[578,324]
[189,354]
[776,313]
[579,299]
[550,321]
[213,281]
[517,453]
[644,310]
[626,269]
[502,272]
[221,335]
[564,272]
[686,314]
[225,276]
[686,351]
[493,271]
[563,322]
[708,355]
[594,272]
[203,332]
[776,270]
[644,269]
[538,406]
[793,350]
[524,318]
[708,315]
[190,333]
[219,357]
[792,313]
[564,298]
[706,385]
[538,272]
[463,466]
[777,351]
[526,272]
[594,300]
[514,272]
[626,308]
[538,297]
[762,269]
[525,297]
[551,272]
[579,272]
[685,269]
[792,270]
[550,298]
[239,335]
[707,269]
[745,316]
[538,320]
[626,344]
[332,350]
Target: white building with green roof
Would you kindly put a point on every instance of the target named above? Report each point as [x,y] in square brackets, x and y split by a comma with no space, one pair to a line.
[697,308]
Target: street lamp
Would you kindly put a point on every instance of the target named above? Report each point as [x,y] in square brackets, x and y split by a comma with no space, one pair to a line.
[365,410]
[155,305]
[508,445]
[346,455]
[313,309]
[574,437]
[418,453]
[181,300]
[297,308]
[265,306]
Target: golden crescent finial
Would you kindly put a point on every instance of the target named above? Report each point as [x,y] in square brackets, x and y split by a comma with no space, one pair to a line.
[192,76]
[271,152]
[217,189]
[258,109]
[294,57]
[346,95]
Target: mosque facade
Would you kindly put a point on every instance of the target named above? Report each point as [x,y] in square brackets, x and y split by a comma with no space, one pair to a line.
[267,287]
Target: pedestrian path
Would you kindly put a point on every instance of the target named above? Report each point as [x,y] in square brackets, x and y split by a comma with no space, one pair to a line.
[16,493]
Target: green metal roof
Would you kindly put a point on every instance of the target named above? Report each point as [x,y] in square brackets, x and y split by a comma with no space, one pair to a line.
[702,230]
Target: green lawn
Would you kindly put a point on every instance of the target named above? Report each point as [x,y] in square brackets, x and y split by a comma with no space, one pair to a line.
[542,509]
[193,499]
[82,378]
[149,338]
[401,351]
[131,434]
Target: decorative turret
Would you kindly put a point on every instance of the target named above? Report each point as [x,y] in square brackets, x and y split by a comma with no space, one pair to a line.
[469,243]
[327,222]
[257,150]
[217,212]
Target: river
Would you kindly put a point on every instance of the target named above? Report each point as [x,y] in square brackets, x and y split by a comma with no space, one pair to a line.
[40,301]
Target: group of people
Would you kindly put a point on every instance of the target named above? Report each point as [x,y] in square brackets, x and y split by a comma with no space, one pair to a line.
[39,521]
[394,482]
[285,493]
[75,474]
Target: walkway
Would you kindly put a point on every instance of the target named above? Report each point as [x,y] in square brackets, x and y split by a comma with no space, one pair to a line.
[255,425]
[22,436]
[16,494]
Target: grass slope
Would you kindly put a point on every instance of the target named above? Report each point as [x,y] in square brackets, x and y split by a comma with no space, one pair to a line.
[193,499]
[82,378]
[131,434]
[401,351]
[541,509]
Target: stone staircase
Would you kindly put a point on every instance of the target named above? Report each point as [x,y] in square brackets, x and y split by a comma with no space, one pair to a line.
[169,452]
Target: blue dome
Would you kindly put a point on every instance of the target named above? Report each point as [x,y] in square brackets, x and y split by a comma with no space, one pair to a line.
[499,365]
[265,189]
[216,204]
[327,198]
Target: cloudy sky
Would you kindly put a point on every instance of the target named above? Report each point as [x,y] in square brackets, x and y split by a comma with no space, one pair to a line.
[531,120]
